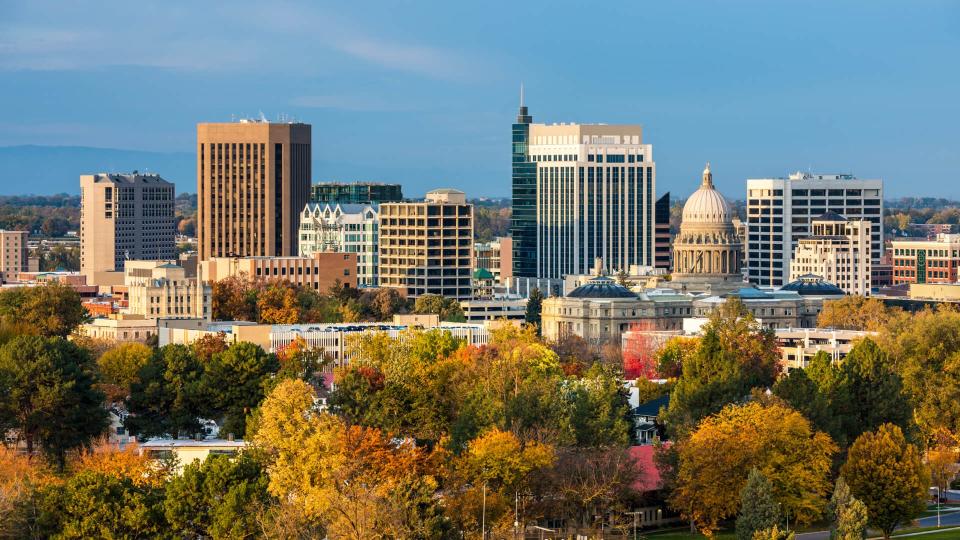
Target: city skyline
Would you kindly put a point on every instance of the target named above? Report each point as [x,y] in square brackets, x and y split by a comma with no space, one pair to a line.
[424,96]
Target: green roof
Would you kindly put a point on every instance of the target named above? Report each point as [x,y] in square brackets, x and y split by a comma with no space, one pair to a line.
[482,273]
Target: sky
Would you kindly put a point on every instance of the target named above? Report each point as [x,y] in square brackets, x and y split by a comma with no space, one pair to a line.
[423,93]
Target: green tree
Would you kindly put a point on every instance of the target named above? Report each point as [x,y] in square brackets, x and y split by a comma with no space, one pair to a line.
[534,307]
[217,498]
[120,368]
[758,509]
[869,392]
[233,383]
[801,393]
[447,308]
[887,474]
[47,393]
[774,533]
[53,309]
[848,516]
[167,399]
[97,505]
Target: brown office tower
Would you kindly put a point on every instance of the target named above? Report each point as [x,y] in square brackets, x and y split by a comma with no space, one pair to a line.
[253,180]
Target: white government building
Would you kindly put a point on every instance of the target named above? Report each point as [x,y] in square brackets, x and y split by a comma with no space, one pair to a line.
[838,251]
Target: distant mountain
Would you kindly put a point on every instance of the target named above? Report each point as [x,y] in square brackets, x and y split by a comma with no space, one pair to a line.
[45,170]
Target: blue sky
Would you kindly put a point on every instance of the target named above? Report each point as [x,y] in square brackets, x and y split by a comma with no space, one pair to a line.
[423,93]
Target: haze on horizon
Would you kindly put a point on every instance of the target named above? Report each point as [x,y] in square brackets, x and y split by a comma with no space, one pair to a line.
[424,93]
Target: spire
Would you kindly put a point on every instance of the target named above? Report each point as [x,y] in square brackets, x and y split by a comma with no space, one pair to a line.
[707,177]
[523,117]
[521,94]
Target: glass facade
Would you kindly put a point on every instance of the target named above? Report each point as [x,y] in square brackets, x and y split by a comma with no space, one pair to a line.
[355,193]
[523,222]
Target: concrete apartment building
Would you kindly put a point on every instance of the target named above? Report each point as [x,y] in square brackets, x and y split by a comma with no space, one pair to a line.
[926,261]
[15,258]
[162,290]
[125,217]
[780,212]
[355,193]
[838,250]
[426,247]
[581,191]
[344,228]
[320,271]
[253,179]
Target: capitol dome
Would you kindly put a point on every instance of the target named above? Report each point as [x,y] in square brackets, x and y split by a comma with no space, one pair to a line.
[706,205]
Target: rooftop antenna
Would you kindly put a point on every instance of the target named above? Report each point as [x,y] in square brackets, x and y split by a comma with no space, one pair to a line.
[521,93]
[263,118]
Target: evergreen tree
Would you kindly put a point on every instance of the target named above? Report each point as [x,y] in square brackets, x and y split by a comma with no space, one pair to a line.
[233,383]
[869,392]
[758,509]
[847,514]
[534,307]
[167,398]
[47,394]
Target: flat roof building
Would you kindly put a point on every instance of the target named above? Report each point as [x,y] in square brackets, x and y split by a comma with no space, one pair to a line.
[253,179]
[355,193]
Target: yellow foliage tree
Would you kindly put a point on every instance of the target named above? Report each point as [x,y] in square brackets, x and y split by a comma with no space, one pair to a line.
[127,462]
[20,475]
[854,313]
[776,440]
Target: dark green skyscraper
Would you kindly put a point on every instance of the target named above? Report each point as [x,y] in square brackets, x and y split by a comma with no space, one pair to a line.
[523,223]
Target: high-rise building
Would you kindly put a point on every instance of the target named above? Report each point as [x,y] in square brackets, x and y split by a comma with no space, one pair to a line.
[580,192]
[124,217]
[780,212]
[15,257]
[523,219]
[927,261]
[345,228]
[253,179]
[426,247]
[595,198]
[661,244]
[355,193]
[838,251]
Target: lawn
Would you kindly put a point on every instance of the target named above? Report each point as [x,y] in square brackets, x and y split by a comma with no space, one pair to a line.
[686,535]
[943,535]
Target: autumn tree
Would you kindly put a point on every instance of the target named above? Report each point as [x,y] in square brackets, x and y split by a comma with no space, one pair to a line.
[21,476]
[277,303]
[888,475]
[758,509]
[848,516]
[53,309]
[235,298]
[47,395]
[127,462]
[671,357]
[168,399]
[779,442]
[942,457]
[805,396]
[208,345]
[854,313]
[299,360]
[120,367]
[575,354]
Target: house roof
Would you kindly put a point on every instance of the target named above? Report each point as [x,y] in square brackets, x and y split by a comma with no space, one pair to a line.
[652,407]
[648,478]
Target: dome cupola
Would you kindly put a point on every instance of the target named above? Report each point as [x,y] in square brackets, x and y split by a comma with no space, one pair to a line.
[706,205]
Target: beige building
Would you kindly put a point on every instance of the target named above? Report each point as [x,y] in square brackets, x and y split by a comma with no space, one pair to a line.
[15,257]
[426,247]
[124,217]
[707,253]
[838,250]
[120,327]
[496,257]
[320,271]
[161,289]
[187,451]
[253,179]
[798,346]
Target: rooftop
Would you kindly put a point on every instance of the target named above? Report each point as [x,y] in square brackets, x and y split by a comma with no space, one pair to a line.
[601,287]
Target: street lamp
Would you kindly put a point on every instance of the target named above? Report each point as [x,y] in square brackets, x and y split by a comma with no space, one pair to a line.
[634,514]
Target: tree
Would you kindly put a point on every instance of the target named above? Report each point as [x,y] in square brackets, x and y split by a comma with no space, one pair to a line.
[233,383]
[277,303]
[168,399]
[299,360]
[734,356]
[673,354]
[942,457]
[47,394]
[716,458]
[217,498]
[758,509]
[208,345]
[854,313]
[96,505]
[447,308]
[774,533]
[53,309]
[21,476]
[847,514]
[120,368]
[534,307]
[235,299]
[386,302]
[869,393]
[127,462]
[887,474]
[801,393]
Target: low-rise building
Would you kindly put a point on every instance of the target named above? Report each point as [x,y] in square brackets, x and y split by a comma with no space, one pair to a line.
[120,327]
[494,309]
[161,289]
[344,228]
[496,257]
[187,451]
[321,271]
[838,250]
[926,261]
[799,345]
